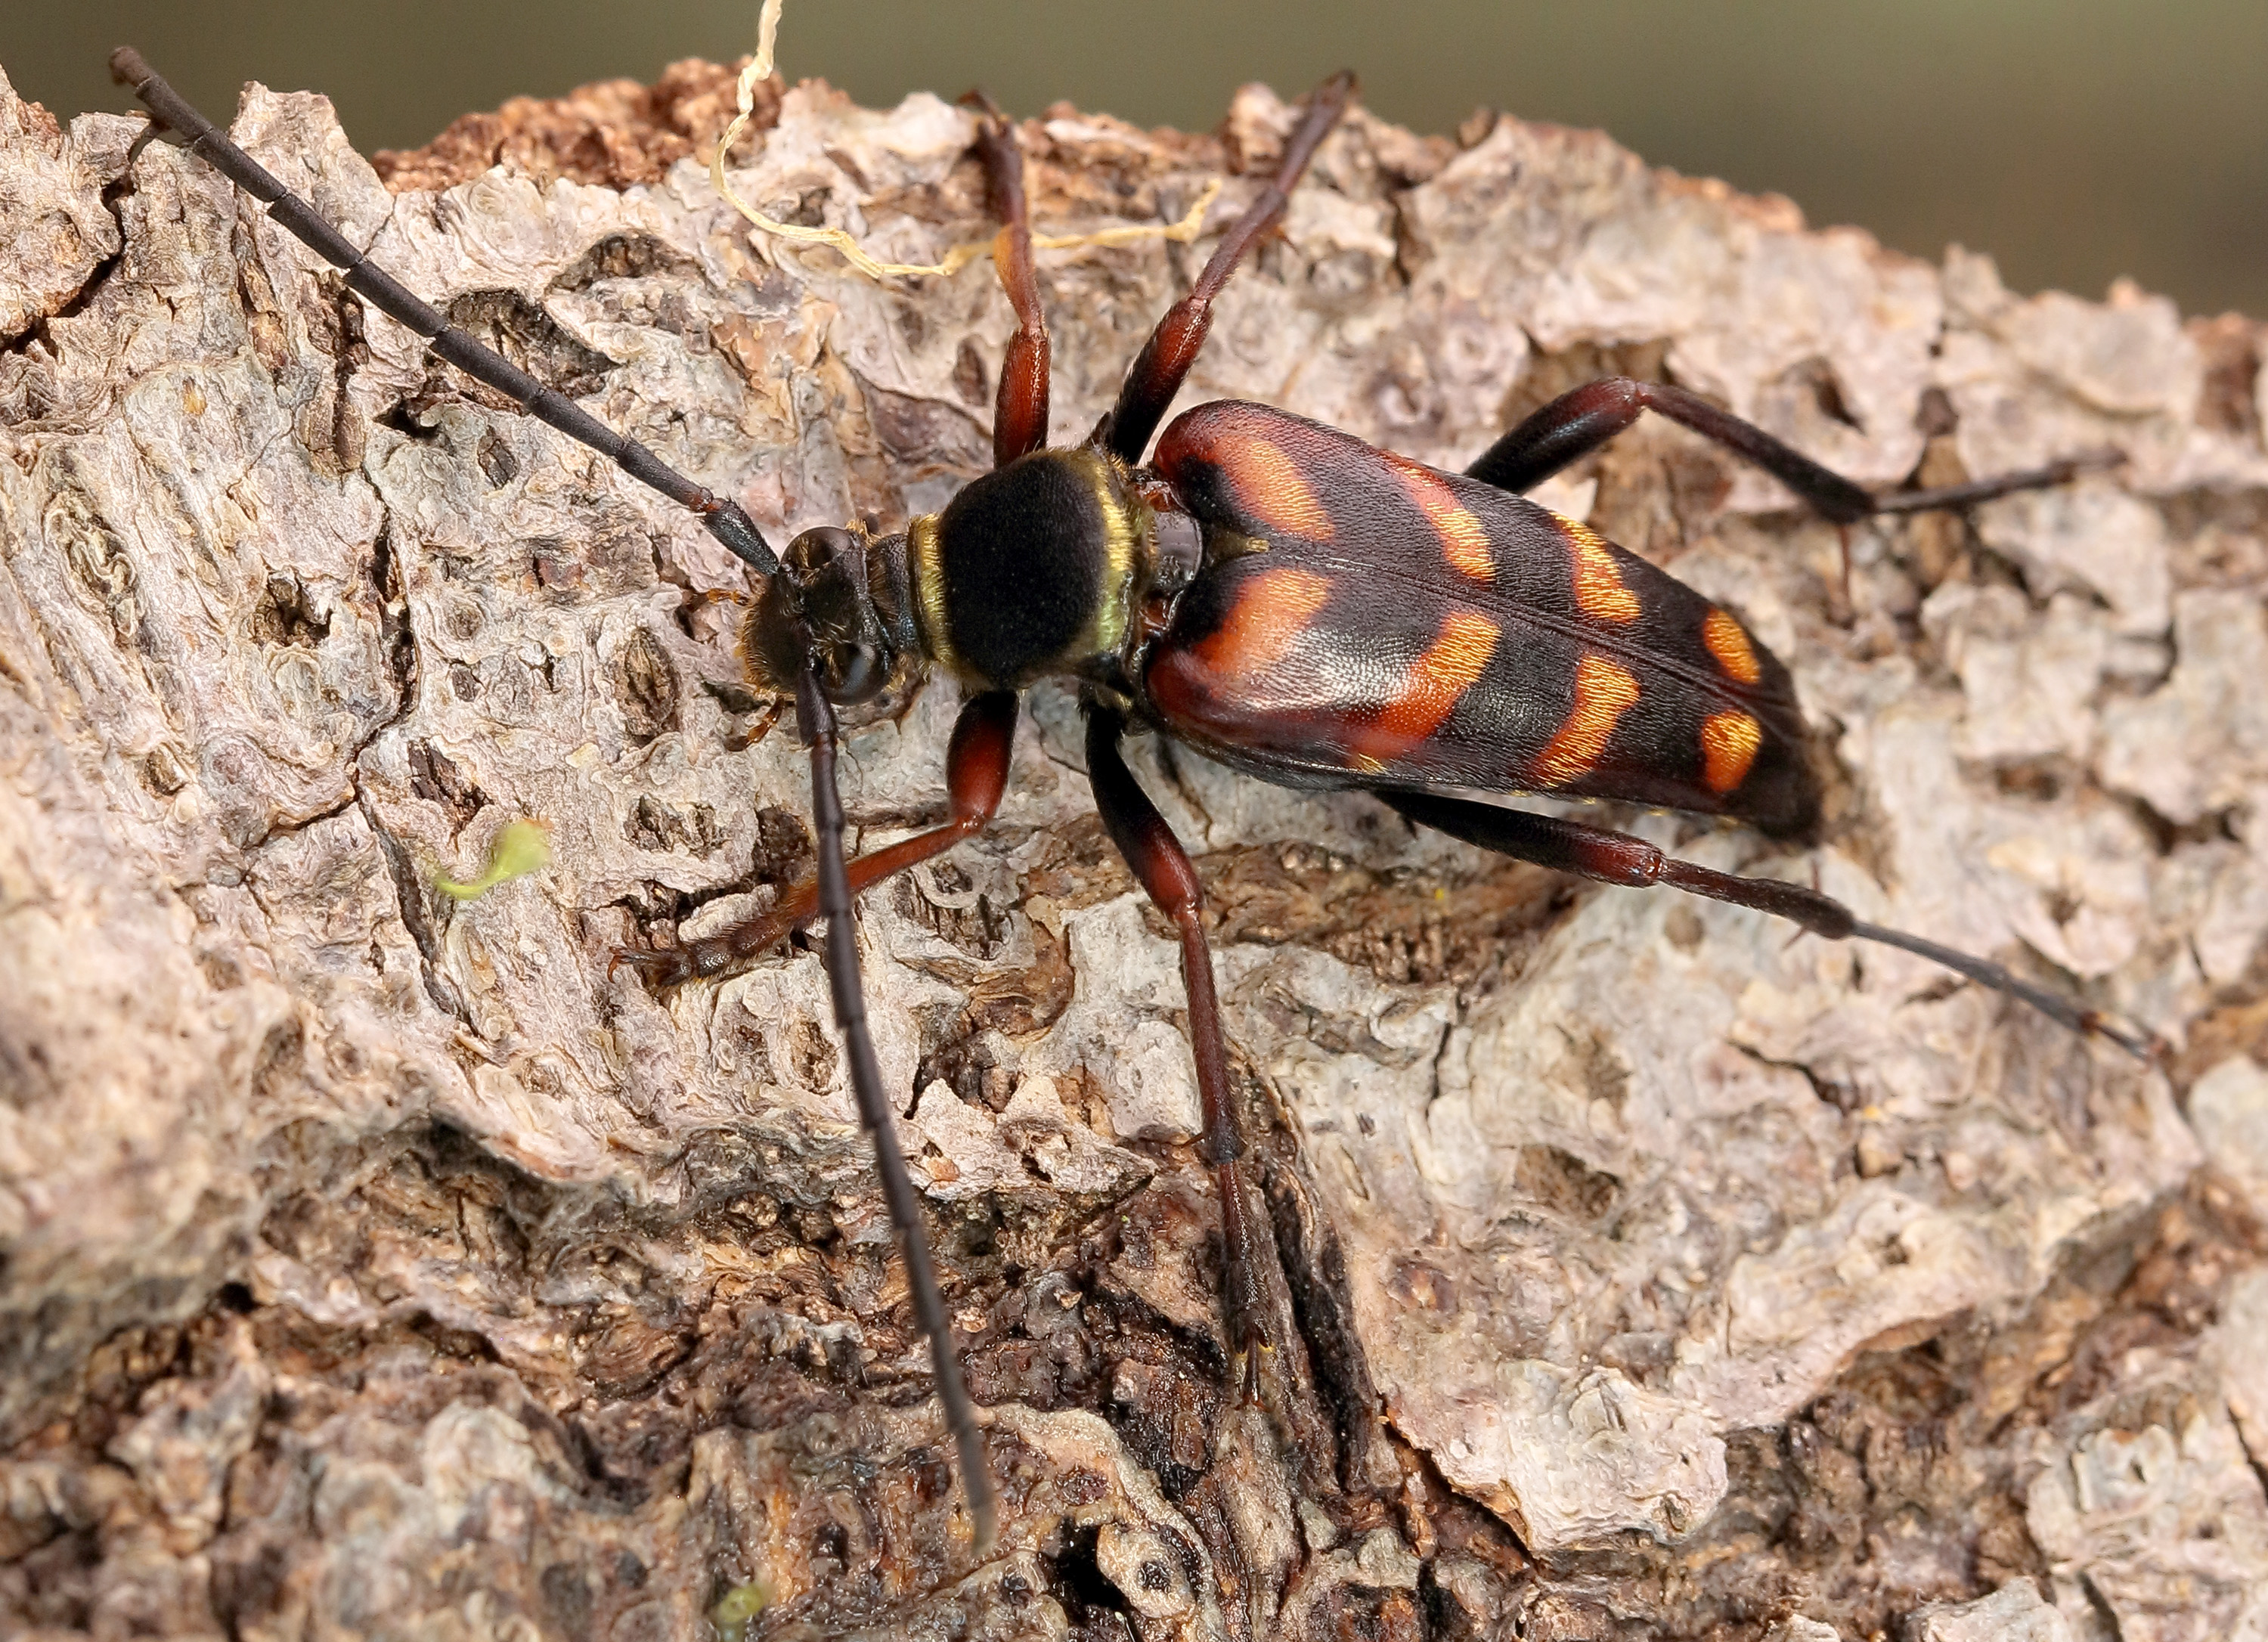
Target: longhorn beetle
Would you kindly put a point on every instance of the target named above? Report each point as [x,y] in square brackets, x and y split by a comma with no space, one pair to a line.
[1281,596]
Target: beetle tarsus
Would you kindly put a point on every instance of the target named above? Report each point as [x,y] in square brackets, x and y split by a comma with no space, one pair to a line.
[1254,1348]
[2145,1046]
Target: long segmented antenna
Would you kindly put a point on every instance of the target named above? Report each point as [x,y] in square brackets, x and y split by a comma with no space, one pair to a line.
[731,526]
[724,519]
[815,717]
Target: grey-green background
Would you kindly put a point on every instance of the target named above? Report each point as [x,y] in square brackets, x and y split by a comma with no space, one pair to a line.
[2076,140]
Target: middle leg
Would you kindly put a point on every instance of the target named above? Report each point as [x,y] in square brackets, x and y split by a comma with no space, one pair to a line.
[1163,868]
[975,776]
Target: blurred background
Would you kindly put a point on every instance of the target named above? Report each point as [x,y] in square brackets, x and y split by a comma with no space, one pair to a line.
[2074,140]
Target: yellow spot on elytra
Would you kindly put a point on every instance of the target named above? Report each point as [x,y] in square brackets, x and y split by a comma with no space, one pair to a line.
[1729,641]
[1427,697]
[1464,540]
[1599,590]
[1603,692]
[1729,741]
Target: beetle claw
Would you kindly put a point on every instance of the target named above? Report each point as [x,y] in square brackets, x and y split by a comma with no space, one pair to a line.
[666,967]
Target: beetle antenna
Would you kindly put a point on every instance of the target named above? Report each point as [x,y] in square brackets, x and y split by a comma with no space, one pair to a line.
[724,519]
[815,716]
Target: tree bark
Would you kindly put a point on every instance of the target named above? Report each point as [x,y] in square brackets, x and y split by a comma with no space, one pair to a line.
[373,1264]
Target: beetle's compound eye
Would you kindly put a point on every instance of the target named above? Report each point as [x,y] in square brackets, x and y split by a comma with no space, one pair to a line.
[816,555]
[853,674]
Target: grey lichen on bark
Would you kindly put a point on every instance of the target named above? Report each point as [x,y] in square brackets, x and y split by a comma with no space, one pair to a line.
[372,1263]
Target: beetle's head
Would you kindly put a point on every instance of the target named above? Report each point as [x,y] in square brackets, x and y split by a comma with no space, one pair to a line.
[846,590]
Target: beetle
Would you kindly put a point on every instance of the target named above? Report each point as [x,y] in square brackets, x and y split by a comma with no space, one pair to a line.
[1283,597]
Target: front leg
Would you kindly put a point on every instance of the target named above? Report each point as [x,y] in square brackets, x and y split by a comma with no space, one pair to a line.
[1163,869]
[975,776]
[1158,370]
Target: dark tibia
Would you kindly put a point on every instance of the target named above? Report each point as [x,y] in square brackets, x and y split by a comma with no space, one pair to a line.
[1614,857]
[724,519]
[975,776]
[1162,867]
[1020,416]
[1584,418]
[1166,358]
[816,718]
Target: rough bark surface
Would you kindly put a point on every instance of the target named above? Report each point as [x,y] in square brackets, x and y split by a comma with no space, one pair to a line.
[374,1264]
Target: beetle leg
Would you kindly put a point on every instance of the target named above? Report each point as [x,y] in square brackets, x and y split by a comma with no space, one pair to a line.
[1162,867]
[1166,358]
[1020,415]
[1614,857]
[1584,418]
[975,776]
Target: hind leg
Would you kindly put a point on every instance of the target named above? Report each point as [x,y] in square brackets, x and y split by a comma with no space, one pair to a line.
[1614,857]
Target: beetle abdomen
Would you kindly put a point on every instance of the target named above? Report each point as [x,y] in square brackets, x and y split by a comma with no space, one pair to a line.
[1398,626]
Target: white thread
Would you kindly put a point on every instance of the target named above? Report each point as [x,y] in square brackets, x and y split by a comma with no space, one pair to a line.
[760,69]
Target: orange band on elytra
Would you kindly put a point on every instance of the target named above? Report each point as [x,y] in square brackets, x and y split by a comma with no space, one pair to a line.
[1604,690]
[1269,484]
[1600,591]
[1464,540]
[1438,679]
[1728,641]
[1271,610]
